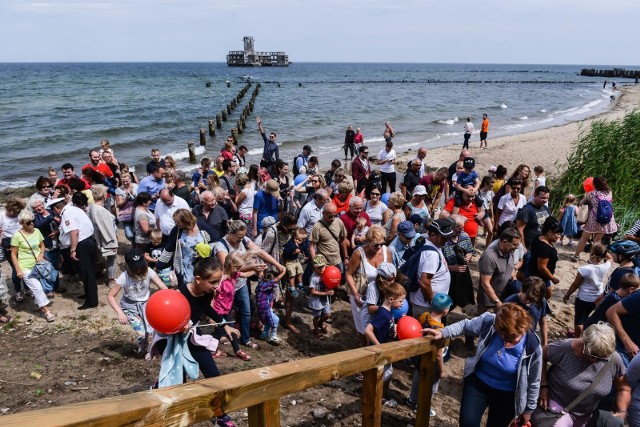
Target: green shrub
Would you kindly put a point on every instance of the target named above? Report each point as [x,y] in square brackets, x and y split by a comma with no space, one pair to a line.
[610,149]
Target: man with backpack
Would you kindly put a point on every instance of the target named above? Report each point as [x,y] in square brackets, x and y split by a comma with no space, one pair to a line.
[529,220]
[301,160]
[427,269]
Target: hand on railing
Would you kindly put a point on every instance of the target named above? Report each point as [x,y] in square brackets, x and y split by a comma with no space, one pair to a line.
[435,333]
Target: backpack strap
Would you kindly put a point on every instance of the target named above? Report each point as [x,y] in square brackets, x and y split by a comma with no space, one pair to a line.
[329,230]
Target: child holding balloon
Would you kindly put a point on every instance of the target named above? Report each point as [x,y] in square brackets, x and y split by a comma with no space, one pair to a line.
[440,305]
[381,329]
[319,299]
[135,283]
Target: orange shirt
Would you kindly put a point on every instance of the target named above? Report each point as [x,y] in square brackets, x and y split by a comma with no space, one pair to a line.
[485,125]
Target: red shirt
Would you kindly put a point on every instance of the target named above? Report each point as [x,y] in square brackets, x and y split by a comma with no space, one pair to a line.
[433,188]
[358,171]
[226,154]
[103,168]
[350,222]
[469,212]
[65,182]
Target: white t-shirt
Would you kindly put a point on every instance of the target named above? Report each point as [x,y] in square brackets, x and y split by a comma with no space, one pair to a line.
[384,155]
[136,290]
[73,218]
[246,206]
[441,279]
[509,208]
[468,127]
[375,212]
[165,213]
[593,285]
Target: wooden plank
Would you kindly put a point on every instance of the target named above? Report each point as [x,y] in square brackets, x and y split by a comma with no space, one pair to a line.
[372,397]
[200,400]
[427,374]
[265,414]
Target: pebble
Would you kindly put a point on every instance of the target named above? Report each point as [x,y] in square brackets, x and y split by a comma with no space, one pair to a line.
[293,403]
[4,410]
[331,417]
[320,412]
[67,383]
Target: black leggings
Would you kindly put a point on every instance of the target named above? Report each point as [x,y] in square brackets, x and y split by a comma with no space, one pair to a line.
[390,178]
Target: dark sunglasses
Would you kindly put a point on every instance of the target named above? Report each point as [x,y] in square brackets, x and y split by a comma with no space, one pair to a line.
[375,194]
[377,245]
[28,223]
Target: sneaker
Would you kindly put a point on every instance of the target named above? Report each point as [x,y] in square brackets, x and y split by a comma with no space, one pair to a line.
[294,292]
[274,340]
[263,336]
[19,296]
[412,404]
[574,258]
[225,421]
[432,413]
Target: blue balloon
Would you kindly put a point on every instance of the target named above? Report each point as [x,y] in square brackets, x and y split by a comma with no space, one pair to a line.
[399,312]
[300,178]
[385,198]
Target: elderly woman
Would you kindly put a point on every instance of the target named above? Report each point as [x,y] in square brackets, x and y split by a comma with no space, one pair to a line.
[105,231]
[396,214]
[378,212]
[342,197]
[236,241]
[504,374]
[47,223]
[125,201]
[418,206]
[45,190]
[185,245]
[9,225]
[143,220]
[458,250]
[593,227]
[575,364]
[362,271]
[27,248]
[339,176]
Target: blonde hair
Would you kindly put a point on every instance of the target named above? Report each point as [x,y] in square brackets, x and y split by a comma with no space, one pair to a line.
[99,192]
[185,218]
[376,232]
[155,234]
[361,222]
[301,233]
[600,339]
[25,216]
[234,259]
[569,199]
[345,187]
[397,199]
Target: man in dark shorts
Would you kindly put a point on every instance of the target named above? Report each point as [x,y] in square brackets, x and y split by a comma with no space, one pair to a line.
[484,130]
[349,142]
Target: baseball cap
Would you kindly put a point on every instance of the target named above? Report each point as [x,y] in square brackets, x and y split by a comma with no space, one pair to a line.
[442,227]
[308,148]
[135,259]
[492,169]
[319,261]
[469,162]
[420,190]
[386,270]
[407,229]
[417,219]
[272,187]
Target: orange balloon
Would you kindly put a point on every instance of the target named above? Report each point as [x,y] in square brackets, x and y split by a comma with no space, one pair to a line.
[408,327]
[331,276]
[168,311]
[588,184]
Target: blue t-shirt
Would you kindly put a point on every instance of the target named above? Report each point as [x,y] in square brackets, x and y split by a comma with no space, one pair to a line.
[614,279]
[266,205]
[498,366]
[149,185]
[465,179]
[197,175]
[631,320]
[600,313]
[382,324]
[535,312]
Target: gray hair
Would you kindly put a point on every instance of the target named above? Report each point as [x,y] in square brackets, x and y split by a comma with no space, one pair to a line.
[179,175]
[459,219]
[25,216]
[35,203]
[235,225]
[354,200]
[600,339]
[99,192]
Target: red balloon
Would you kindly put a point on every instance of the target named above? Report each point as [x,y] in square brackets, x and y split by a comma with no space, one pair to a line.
[168,311]
[331,276]
[588,184]
[408,327]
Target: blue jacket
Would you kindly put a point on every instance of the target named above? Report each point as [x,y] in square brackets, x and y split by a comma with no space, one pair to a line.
[529,367]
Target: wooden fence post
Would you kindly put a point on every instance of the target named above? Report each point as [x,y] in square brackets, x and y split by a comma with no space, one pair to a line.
[192,152]
[224,115]
[203,137]
[427,372]
[212,128]
[372,397]
[265,414]
[218,121]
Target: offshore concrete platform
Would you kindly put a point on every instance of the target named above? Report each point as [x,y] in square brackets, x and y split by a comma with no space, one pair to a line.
[250,58]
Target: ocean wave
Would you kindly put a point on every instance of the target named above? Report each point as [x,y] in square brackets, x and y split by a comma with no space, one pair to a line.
[179,155]
[583,109]
[448,121]
[543,111]
[17,183]
[503,105]
[524,118]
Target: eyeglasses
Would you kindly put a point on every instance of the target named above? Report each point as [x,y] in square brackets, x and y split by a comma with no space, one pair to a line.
[586,353]
[365,152]
[46,186]
[375,194]
[28,223]
[377,245]
[313,180]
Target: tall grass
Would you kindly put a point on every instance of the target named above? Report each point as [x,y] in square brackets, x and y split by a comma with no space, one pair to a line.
[610,149]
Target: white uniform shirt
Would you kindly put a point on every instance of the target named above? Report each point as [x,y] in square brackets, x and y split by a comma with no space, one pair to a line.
[441,279]
[384,155]
[74,218]
[165,213]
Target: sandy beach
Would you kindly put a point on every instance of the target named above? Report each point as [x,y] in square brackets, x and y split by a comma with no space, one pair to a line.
[94,351]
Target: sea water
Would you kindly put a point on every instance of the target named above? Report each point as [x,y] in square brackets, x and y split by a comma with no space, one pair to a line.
[56,113]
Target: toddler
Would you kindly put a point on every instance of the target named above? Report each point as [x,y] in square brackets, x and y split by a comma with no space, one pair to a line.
[319,300]
[569,219]
[359,236]
[154,250]
[468,176]
[291,253]
[265,295]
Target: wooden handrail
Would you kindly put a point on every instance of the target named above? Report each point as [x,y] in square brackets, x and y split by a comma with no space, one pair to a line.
[257,389]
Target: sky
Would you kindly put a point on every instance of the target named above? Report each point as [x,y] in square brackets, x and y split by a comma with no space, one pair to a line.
[489,31]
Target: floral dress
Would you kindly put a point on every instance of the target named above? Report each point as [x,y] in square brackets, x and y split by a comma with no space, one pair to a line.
[593,226]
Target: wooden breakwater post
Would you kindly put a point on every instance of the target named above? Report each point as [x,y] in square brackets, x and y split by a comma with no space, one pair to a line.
[615,73]
[218,121]
[234,135]
[212,128]
[228,109]
[239,125]
[203,137]
[192,152]
[224,115]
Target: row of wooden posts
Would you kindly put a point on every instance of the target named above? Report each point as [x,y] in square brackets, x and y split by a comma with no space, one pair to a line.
[223,116]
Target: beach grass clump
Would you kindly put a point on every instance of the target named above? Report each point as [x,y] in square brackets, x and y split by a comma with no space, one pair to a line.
[610,149]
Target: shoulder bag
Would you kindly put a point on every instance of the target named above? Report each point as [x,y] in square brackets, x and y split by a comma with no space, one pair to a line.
[44,271]
[583,213]
[360,278]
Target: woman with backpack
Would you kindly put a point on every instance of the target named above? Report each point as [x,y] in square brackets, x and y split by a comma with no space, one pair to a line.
[600,220]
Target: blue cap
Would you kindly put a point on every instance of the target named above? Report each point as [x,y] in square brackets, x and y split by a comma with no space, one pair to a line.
[441,302]
[407,229]
[416,219]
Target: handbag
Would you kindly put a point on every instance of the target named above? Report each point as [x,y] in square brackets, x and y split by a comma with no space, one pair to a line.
[547,418]
[583,213]
[125,214]
[43,270]
[360,278]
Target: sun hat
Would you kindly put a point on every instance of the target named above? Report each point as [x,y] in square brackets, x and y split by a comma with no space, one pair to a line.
[442,227]
[420,190]
[272,187]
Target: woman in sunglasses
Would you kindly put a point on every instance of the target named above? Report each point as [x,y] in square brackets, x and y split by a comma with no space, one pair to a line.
[378,212]
[44,188]
[575,364]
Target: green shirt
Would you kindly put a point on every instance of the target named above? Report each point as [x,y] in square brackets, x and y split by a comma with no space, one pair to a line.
[26,258]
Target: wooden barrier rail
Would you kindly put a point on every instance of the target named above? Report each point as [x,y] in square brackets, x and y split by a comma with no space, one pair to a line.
[259,390]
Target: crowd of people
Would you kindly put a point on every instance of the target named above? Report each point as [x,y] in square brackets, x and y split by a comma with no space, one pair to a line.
[233,224]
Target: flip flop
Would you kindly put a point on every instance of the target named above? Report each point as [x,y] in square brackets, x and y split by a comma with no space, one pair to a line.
[5,318]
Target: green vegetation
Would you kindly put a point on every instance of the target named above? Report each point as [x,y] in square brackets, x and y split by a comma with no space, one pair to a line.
[610,150]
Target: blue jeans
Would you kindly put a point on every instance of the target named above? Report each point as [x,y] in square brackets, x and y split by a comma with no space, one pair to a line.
[241,301]
[128,230]
[477,396]
[54,258]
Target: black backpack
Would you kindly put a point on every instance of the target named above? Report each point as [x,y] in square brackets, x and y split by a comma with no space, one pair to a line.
[294,166]
[412,262]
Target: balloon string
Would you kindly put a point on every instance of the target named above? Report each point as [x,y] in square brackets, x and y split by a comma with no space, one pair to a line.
[226,322]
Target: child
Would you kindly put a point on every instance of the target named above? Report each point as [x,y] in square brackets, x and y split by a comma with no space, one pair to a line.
[154,250]
[385,276]
[135,282]
[290,254]
[440,305]
[628,283]
[532,298]
[569,219]
[53,175]
[382,330]
[466,177]
[223,299]
[540,179]
[486,195]
[590,282]
[265,296]
[359,234]
[319,300]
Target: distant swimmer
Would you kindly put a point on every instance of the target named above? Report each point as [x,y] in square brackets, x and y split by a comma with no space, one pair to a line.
[388,132]
[484,130]
[468,130]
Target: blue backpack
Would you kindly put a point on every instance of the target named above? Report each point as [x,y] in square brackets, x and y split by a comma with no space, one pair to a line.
[410,267]
[604,213]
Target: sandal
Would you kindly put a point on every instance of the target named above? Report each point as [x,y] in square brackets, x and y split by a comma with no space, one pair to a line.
[19,297]
[49,316]
[242,355]
[5,318]
[389,403]
[251,344]
[218,354]
[318,334]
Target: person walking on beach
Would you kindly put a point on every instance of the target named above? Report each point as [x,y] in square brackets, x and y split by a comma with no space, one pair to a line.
[468,130]
[349,142]
[271,151]
[484,130]
[388,132]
